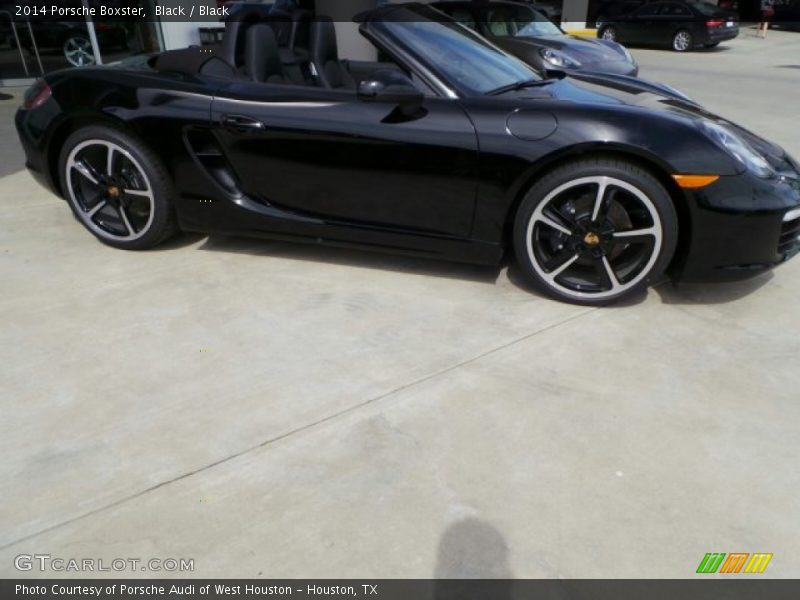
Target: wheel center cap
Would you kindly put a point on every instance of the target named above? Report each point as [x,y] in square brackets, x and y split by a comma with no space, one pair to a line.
[591,239]
[113,192]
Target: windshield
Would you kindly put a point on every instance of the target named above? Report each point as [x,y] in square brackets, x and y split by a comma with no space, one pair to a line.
[520,21]
[706,9]
[460,56]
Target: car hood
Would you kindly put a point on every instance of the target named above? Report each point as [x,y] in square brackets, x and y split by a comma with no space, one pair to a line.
[621,90]
[584,50]
[610,89]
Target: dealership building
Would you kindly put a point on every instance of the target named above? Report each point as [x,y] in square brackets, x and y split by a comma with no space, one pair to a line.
[31,46]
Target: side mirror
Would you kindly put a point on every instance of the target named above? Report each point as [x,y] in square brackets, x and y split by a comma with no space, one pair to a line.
[390,86]
[554,73]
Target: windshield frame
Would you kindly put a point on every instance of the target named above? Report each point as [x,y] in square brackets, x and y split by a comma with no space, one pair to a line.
[380,26]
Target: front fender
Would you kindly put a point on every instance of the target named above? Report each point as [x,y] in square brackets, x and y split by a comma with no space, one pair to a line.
[669,142]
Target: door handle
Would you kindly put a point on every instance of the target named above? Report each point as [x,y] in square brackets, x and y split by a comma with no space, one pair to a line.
[242,124]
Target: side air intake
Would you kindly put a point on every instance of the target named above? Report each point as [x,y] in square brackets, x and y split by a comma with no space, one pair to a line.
[207,152]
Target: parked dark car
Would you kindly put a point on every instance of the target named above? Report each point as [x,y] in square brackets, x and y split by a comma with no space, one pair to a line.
[787,15]
[609,10]
[681,26]
[552,9]
[449,149]
[532,37]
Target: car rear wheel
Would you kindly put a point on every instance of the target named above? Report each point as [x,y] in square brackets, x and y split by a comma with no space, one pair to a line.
[595,232]
[78,51]
[117,188]
[682,41]
[609,33]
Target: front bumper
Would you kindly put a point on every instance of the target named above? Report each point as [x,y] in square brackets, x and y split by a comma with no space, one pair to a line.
[32,128]
[740,226]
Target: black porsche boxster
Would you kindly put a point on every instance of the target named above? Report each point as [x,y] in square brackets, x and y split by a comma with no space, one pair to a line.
[449,148]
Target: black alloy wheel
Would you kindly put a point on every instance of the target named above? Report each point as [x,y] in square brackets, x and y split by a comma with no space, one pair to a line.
[595,232]
[117,188]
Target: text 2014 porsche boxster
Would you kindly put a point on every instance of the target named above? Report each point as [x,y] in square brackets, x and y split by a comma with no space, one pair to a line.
[449,148]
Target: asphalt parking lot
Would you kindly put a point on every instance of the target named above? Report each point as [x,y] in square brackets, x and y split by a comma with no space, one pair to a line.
[273,410]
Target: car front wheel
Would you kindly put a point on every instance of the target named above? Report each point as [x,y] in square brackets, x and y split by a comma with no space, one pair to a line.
[117,188]
[595,232]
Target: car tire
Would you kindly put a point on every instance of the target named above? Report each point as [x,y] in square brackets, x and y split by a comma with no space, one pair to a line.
[609,32]
[118,188]
[682,41]
[78,51]
[595,231]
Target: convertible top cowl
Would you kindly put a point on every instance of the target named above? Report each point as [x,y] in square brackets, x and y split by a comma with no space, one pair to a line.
[193,61]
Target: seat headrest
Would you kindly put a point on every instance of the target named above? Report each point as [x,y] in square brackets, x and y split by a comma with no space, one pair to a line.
[262,61]
[301,25]
[323,41]
[281,23]
[234,41]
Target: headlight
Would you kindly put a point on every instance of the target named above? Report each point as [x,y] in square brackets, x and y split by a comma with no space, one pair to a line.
[739,149]
[794,162]
[558,59]
[627,53]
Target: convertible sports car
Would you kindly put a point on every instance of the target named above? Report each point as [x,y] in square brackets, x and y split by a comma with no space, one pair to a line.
[453,149]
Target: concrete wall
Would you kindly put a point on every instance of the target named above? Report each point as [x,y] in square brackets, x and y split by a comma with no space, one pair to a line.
[181,34]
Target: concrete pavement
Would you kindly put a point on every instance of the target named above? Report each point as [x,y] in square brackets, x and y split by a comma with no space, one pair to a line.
[272,410]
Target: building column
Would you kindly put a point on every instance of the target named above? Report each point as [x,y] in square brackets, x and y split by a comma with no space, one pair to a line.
[575,14]
[352,44]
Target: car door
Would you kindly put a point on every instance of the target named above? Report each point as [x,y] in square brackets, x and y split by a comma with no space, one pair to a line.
[671,18]
[328,155]
[644,25]
[623,15]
